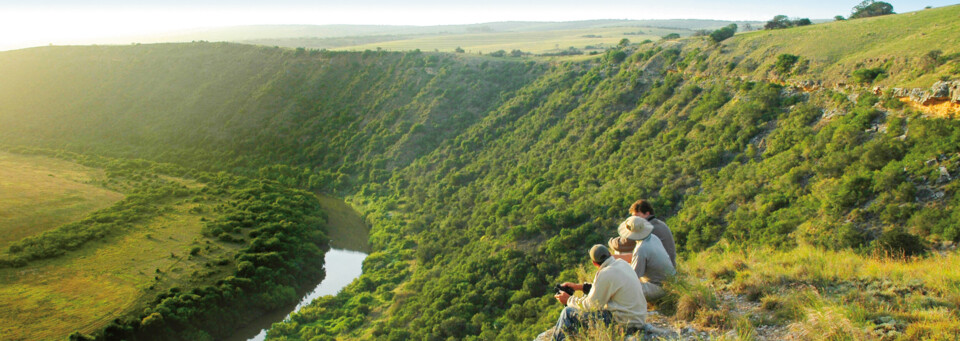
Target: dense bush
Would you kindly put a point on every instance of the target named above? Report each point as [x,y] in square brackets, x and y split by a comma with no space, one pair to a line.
[723,33]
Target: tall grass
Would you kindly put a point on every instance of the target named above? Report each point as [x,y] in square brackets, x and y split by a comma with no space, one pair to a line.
[836,295]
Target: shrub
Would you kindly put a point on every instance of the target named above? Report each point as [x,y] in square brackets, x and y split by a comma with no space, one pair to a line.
[867,76]
[723,33]
[671,36]
[898,243]
[784,63]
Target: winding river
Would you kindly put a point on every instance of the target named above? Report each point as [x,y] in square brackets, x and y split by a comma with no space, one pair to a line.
[343,263]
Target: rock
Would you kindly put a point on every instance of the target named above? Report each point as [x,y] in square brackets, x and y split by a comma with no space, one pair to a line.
[545,336]
[901,92]
[931,162]
[919,96]
[651,330]
[940,90]
[955,92]
[944,174]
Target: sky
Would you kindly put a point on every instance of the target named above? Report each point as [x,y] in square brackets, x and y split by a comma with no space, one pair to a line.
[41,22]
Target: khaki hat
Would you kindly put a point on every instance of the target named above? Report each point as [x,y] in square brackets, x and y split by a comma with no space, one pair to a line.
[599,253]
[635,228]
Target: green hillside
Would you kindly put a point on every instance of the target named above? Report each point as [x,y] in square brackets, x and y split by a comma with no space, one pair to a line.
[485,180]
[167,261]
[830,52]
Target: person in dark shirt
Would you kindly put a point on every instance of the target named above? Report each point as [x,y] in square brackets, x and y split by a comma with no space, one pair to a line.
[643,209]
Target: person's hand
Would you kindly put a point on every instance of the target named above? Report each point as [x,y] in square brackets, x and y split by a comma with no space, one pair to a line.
[574,286]
[562,297]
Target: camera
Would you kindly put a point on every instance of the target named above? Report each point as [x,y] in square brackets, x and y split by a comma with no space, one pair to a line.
[560,288]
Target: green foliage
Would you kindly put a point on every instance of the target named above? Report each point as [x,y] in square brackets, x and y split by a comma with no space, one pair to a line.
[897,243]
[283,256]
[871,8]
[784,63]
[616,56]
[723,33]
[868,75]
[671,36]
[782,21]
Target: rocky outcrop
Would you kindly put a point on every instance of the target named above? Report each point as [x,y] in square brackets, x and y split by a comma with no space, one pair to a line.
[940,91]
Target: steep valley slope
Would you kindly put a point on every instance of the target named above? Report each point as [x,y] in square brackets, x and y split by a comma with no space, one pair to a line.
[484,180]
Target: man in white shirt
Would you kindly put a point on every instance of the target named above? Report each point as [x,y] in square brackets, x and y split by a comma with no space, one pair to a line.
[615,296]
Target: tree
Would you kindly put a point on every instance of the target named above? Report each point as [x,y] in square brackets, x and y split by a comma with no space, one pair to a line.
[723,33]
[458,50]
[802,22]
[616,56]
[839,18]
[871,8]
[779,21]
[624,42]
[671,36]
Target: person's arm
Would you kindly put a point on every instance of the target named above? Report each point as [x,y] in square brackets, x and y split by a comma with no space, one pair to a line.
[638,263]
[597,298]
[626,257]
[574,286]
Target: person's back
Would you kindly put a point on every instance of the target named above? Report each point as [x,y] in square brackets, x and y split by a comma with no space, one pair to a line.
[652,265]
[626,303]
[663,232]
[615,296]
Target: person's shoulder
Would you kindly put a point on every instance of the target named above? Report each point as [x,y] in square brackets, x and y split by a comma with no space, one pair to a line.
[620,265]
[659,223]
[653,239]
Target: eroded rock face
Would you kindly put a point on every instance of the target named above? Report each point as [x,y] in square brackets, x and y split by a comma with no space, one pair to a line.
[939,91]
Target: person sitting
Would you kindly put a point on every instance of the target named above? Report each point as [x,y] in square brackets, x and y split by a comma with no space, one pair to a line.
[649,260]
[614,296]
[643,209]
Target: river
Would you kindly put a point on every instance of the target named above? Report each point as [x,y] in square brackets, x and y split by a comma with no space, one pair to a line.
[343,263]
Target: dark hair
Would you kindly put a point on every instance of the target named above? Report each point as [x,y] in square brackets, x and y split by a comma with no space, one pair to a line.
[641,206]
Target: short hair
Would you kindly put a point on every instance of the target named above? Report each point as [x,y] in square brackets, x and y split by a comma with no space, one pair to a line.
[641,206]
[599,253]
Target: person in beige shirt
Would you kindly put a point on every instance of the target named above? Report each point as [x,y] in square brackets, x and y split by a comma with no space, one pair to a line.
[615,296]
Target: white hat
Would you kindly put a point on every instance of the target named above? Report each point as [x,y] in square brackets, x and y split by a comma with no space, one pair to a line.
[635,228]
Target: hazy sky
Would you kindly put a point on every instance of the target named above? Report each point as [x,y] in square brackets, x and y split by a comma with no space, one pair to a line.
[42,22]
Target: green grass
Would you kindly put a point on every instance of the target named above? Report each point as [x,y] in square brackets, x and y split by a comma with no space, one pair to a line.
[836,49]
[533,42]
[810,294]
[89,288]
[819,294]
[39,193]
[86,289]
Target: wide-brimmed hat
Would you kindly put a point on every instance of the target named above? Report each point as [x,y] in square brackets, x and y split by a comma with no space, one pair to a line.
[635,228]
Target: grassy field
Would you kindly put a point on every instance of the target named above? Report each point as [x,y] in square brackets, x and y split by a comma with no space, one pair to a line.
[39,193]
[89,288]
[835,49]
[533,42]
